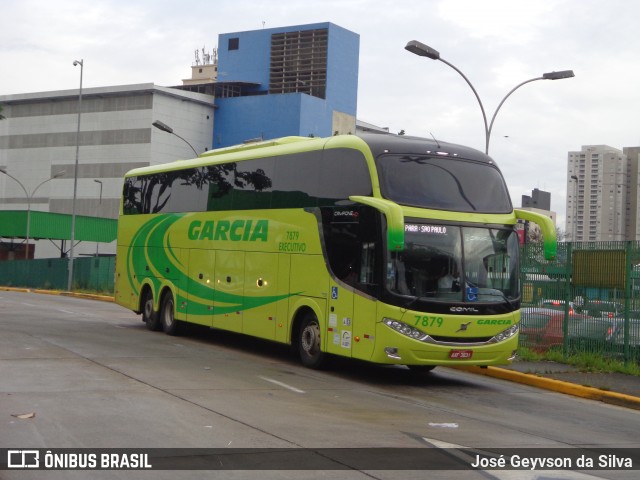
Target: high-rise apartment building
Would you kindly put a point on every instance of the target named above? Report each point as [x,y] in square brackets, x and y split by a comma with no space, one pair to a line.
[599,183]
[633,192]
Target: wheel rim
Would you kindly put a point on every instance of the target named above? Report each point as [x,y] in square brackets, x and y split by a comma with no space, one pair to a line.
[148,308]
[168,313]
[310,339]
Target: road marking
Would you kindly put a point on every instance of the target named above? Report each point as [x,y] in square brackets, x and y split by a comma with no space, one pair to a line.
[283,385]
[444,425]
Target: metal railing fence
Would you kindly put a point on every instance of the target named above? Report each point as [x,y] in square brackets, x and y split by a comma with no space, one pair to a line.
[585,301]
[95,274]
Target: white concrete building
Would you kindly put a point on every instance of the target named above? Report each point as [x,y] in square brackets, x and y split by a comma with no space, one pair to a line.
[38,142]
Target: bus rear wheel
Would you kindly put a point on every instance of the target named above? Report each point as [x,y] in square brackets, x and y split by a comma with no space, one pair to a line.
[167,315]
[311,354]
[149,315]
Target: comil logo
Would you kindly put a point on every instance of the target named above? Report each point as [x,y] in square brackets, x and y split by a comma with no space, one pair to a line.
[346,216]
[23,459]
[464,310]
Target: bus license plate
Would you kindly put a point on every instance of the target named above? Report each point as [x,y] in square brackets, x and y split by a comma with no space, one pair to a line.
[460,354]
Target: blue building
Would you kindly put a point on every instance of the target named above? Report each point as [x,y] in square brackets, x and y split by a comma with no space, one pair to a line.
[296,80]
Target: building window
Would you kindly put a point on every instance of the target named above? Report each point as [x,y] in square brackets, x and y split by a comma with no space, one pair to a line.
[299,62]
[234,43]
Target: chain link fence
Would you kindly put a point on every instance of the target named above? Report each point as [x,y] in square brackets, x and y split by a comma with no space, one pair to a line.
[585,301]
[93,274]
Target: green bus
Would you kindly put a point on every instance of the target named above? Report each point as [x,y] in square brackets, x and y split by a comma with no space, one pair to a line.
[385,248]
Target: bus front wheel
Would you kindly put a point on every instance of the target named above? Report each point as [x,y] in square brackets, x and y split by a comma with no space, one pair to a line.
[167,315]
[309,342]
[149,315]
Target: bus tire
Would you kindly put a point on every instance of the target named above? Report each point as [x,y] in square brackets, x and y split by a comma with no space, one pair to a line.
[311,354]
[170,325]
[149,315]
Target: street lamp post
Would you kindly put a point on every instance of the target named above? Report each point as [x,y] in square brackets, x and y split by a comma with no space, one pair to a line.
[166,128]
[98,208]
[75,178]
[29,198]
[420,49]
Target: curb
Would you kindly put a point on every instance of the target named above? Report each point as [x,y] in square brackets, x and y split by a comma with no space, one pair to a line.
[559,386]
[89,296]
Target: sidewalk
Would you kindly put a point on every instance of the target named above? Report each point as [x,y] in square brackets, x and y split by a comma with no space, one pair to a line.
[614,388]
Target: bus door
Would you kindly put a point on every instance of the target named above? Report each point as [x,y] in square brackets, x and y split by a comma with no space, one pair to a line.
[350,235]
[228,297]
[200,286]
[364,301]
[340,321]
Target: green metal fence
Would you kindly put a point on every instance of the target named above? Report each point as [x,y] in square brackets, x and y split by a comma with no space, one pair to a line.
[585,301]
[94,274]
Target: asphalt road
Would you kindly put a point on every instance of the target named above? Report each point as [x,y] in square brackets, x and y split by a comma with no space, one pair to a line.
[94,377]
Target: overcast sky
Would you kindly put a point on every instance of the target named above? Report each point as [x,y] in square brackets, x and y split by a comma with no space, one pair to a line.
[496,43]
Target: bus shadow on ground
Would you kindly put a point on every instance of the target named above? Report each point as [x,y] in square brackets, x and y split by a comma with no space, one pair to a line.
[346,368]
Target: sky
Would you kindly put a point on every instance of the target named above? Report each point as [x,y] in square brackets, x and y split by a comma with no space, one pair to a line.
[497,44]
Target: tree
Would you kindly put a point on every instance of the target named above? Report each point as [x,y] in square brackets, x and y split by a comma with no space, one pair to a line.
[562,235]
[150,193]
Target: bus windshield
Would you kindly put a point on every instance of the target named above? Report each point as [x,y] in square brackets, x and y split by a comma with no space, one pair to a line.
[448,263]
[443,183]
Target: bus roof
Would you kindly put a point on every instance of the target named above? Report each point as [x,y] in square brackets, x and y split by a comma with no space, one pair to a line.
[278,146]
[381,143]
[254,145]
[378,143]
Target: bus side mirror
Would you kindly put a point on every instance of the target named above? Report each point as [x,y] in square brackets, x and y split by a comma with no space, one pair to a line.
[548,229]
[395,219]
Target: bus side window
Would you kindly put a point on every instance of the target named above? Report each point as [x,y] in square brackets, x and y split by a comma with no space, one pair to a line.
[352,245]
[367,263]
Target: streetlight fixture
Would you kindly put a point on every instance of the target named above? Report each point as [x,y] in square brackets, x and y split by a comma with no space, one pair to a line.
[75,177]
[98,208]
[420,49]
[166,128]
[29,198]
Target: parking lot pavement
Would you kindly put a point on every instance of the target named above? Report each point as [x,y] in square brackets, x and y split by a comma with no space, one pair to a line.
[613,388]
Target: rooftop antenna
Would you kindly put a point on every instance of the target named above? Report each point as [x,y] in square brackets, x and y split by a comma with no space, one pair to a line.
[434,139]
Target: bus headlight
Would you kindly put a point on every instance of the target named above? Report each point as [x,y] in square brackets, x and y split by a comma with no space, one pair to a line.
[506,334]
[405,329]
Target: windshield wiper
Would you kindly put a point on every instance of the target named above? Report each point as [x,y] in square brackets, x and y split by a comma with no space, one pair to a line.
[498,293]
